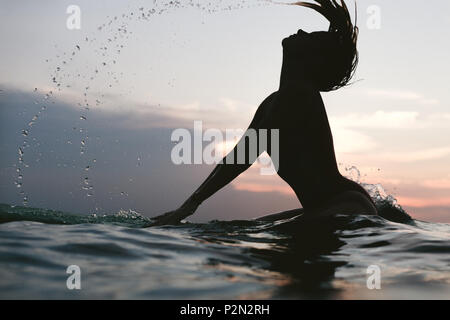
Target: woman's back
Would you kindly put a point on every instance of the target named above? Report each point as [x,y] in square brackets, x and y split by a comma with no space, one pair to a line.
[307,160]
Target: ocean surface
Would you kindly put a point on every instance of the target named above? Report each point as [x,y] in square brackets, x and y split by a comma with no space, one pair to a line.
[120,257]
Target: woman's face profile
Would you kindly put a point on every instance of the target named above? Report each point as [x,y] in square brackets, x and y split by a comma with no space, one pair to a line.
[295,42]
[303,44]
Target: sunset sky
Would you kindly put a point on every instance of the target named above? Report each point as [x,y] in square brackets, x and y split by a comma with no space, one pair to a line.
[143,78]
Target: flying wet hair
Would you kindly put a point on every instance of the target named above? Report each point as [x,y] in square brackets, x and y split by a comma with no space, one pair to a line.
[347,54]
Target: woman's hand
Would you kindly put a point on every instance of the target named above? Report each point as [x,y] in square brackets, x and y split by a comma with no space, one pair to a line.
[222,174]
[176,216]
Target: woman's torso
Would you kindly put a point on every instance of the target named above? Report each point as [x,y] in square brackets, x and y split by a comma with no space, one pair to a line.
[307,160]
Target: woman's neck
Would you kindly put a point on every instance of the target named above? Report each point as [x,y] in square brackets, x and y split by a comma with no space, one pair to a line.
[292,76]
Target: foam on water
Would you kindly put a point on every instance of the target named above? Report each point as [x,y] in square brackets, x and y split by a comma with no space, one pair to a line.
[128,218]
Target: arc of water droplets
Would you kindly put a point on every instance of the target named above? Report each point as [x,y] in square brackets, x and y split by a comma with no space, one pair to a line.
[118,26]
[21,165]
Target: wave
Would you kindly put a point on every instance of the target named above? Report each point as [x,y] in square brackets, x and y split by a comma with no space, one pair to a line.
[129,218]
[242,259]
[126,218]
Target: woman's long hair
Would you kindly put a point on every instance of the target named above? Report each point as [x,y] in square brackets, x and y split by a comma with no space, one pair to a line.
[347,33]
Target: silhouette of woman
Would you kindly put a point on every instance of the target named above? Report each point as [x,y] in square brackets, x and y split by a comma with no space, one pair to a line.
[312,62]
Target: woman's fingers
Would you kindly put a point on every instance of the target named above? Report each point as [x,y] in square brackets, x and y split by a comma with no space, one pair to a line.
[170,218]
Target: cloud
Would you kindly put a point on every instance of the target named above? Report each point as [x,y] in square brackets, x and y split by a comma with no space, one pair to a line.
[416,155]
[351,141]
[379,120]
[253,181]
[258,187]
[438,120]
[226,113]
[431,214]
[417,202]
[443,183]
[132,113]
[402,95]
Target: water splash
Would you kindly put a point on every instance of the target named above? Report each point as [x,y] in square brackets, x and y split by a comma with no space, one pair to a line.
[21,165]
[108,42]
[387,205]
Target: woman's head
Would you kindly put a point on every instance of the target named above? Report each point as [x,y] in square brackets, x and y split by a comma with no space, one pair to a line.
[328,59]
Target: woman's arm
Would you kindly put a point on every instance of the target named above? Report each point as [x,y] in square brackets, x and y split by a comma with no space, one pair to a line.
[222,174]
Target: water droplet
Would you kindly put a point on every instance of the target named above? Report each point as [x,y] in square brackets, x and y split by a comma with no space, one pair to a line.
[87,168]
[83,118]
[24,133]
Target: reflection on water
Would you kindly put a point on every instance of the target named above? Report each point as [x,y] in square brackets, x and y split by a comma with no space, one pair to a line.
[292,258]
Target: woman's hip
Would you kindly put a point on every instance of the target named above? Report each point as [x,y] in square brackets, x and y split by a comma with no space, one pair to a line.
[346,203]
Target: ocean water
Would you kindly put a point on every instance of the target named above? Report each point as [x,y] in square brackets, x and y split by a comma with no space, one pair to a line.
[120,257]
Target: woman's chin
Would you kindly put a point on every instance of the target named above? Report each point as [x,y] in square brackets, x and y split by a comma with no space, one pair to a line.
[288,40]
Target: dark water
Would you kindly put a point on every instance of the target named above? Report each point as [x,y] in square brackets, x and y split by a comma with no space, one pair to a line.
[120,258]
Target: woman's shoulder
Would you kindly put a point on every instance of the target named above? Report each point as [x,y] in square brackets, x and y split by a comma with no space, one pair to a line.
[287,105]
[266,106]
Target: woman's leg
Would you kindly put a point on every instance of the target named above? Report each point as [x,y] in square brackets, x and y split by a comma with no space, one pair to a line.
[281,215]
